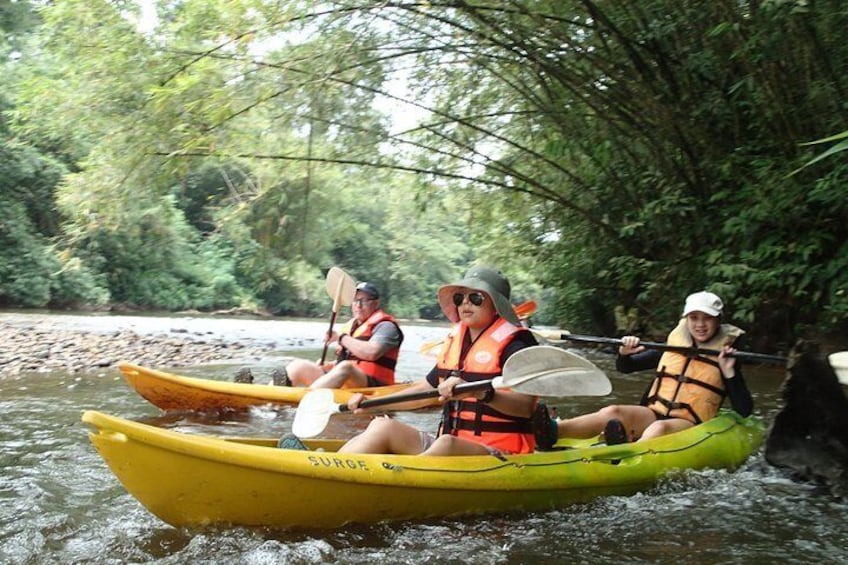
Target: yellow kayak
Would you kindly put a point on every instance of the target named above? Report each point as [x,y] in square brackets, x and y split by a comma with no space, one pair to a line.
[174,392]
[190,480]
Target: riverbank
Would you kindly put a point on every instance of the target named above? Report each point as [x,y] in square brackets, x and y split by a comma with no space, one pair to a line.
[42,346]
[76,342]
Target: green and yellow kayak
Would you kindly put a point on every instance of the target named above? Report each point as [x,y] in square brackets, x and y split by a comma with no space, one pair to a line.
[174,392]
[190,480]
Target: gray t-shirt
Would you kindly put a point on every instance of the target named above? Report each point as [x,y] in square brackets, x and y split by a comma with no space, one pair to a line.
[386,333]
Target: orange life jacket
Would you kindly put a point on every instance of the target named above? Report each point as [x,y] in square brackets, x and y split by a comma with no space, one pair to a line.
[381,370]
[468,418]
[690,386]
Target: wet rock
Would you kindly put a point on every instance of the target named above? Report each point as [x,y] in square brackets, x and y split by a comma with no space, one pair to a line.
[34,348]
[809,436]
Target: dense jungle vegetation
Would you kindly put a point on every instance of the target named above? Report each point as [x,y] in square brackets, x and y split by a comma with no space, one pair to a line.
[610,156]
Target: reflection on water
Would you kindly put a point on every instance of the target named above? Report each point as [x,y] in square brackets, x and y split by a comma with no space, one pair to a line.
[59,502]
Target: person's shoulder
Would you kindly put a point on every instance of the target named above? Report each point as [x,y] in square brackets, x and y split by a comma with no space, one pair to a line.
[526,337]
[387,327]
[521,339]
[388,318]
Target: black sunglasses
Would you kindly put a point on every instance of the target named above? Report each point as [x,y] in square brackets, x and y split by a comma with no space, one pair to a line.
[475,298]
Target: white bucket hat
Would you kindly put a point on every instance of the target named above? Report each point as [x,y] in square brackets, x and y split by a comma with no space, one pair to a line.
[705,302]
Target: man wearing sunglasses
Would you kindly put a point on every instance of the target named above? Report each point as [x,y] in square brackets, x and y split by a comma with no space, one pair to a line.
[486,333]
[367,348]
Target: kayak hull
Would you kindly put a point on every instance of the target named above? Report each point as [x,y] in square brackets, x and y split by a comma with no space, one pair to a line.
[174,392]
[189,480]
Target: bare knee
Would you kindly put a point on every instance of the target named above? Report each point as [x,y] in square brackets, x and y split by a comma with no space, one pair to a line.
[302,372]
[344,368]
[380,426]
[442,445]
[665,427]
[610,412]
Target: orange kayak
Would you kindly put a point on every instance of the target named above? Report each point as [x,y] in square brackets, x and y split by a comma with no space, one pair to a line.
[175,392]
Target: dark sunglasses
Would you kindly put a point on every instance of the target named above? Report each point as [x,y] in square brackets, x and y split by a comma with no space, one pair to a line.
[475,298]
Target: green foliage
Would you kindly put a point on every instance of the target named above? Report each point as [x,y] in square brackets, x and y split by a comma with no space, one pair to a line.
[24,267]
[30,177]
[155,261]
[610,156]
[660,135]
[74,285]
[33,273]
[834,149]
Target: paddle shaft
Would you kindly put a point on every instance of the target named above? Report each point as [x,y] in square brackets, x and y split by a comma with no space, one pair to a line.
[409,397]
[337,299]
[332,321]
[741,355]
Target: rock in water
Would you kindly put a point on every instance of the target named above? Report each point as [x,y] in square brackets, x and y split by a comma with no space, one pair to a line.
[809,436]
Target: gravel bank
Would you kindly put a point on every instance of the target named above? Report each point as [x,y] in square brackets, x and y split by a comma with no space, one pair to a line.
[41,347]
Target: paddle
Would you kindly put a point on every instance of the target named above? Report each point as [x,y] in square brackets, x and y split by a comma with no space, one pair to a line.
[523,311]
[741,355]
[342,288]
[540,370]
[839,362]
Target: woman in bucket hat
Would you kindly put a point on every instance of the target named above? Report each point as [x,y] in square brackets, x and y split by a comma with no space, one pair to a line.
[485,334]
[688,388]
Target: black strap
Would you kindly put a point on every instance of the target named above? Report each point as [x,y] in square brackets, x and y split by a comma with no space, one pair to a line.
[467,376]
[451,422]
[478,428]
[675,406]
[680,379]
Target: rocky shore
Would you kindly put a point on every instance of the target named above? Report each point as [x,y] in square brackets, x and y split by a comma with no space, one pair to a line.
[41,347]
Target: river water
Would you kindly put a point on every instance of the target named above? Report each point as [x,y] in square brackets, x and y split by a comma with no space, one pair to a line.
[60,503]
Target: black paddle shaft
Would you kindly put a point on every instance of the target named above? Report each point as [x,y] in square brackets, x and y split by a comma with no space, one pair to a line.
[741,355]
[408,397]
[332,321]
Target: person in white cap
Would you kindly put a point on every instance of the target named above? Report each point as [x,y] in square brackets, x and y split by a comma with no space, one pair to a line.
[688,388]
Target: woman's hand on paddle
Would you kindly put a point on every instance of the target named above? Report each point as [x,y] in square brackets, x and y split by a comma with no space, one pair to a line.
[726,362]
[630,345]
[446,390]
[353,403]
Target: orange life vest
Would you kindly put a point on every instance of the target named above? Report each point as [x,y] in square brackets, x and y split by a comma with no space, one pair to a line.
[468,418]
[690,386]
[381,370]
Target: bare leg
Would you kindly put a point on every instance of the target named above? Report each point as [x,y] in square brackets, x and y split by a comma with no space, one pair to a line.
[385,435]
[302,372]
[451,445]
[663,427]
[345,373]
[635,419]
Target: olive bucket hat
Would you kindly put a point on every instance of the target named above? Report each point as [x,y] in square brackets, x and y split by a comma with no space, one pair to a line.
[484,279]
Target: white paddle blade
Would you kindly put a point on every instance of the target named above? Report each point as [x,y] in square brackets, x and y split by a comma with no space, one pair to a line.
[544,370]
[839,362]
[340,286]
[313,413]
